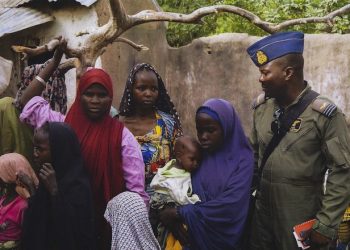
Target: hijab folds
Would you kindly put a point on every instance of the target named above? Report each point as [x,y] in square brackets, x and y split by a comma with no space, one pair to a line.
[222,182]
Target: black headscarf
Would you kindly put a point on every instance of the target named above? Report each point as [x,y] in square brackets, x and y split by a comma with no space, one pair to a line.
[65,221]
[163,103]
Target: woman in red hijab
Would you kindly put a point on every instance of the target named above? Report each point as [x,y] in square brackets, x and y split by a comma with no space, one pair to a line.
[111,153]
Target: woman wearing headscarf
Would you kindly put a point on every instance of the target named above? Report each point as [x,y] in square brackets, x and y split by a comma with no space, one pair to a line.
[148,112]
[128,216]
[16,136]
[60,214]
[111,154]
[222,181]
[17,182]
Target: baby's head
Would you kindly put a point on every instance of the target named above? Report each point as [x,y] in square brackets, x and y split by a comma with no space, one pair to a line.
[187,153]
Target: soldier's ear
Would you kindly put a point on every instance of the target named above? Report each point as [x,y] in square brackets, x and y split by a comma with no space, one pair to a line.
[288,73]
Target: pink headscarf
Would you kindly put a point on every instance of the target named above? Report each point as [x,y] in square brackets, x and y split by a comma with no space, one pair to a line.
[13,163]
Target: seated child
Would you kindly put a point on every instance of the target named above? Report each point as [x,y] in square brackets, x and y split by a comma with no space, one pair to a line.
[128,216]
[172,183]
[17,183]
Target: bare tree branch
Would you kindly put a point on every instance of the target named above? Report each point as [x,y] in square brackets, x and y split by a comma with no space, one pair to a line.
[196,16]
[69,64]
[73,52]
[138,47]
[119,22]
[118,13]
[328,19]
[31,52]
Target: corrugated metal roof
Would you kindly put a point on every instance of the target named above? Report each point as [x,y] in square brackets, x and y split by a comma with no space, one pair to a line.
[15,3]
[86,3]
[12,3]
[16,19]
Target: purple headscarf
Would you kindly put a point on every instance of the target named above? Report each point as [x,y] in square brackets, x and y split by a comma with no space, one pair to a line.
[223,183]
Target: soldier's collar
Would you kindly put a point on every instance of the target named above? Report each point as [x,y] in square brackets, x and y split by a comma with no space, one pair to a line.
[307,88]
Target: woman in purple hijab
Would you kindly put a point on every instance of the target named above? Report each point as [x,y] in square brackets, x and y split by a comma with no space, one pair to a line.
[222,182]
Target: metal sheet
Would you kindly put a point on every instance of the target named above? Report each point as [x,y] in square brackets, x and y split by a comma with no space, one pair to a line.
[16,19]
[15,3]
[12,3]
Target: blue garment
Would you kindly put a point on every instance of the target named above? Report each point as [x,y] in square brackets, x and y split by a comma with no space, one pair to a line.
[223,184]
[276,45]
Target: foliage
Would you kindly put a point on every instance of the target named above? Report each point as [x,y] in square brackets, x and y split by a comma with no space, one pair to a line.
[274,11]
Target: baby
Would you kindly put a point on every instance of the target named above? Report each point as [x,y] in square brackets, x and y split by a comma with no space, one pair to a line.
[172,183]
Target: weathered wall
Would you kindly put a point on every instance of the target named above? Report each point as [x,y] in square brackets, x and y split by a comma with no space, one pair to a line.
[215,66]
[219,66]
[69,21]
[120,58]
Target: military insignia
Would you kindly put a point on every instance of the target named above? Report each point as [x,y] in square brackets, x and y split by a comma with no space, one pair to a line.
[261,57]
[296,125]
[325,107]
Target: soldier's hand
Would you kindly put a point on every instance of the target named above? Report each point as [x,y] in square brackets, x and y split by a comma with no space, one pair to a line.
[318,240]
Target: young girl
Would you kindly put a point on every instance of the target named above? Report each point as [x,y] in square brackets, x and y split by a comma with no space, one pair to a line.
[128,216]
[13,200]
[150,115]
[59,215]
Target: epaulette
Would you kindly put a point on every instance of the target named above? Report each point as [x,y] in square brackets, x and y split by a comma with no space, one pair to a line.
[258,101]
[324,106]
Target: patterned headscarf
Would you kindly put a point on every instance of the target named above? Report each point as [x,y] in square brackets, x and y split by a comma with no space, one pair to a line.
[131,228]
[163,103]
[10,165]
[55,92]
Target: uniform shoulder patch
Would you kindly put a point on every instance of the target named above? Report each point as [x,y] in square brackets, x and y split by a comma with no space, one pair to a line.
[324,106]
[259,100]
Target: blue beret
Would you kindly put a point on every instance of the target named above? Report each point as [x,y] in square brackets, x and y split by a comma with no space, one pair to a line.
[275,46]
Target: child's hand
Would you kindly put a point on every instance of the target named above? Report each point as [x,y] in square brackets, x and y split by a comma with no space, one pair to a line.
[48,176]
[23,180]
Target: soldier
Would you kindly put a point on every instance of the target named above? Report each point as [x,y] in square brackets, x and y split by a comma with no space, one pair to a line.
[297,136]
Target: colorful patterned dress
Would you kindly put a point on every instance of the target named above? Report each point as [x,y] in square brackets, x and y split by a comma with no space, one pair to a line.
[344,230]
[157,145]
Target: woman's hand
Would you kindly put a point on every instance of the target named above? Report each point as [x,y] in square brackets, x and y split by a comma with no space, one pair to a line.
[60,49]
[38,84]
[180,233]
[172,222]
[168,216]
[48,176]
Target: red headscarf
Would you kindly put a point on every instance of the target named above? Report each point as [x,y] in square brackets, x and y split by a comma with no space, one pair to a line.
[100,141]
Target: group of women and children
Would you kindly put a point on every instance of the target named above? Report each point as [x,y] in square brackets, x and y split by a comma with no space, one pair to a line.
[87,180]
